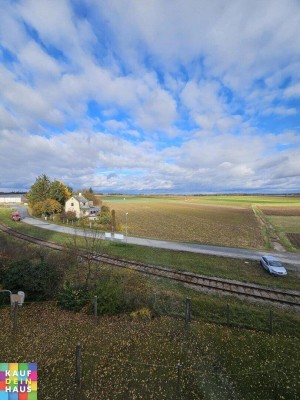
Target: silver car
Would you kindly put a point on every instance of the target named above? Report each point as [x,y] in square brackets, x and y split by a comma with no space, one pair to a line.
[273,265]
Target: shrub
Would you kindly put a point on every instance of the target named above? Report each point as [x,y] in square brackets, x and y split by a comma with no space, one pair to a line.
[38,280]
[70,215]
[73,297]
[136,292]
[142,313]
[104,219]
[109,297]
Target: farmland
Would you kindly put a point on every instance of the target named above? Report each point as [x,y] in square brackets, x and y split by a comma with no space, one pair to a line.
[156,358]
[285,223]
[216,220]
[221,267]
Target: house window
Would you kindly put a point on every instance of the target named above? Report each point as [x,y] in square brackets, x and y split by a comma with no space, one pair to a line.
[72,204]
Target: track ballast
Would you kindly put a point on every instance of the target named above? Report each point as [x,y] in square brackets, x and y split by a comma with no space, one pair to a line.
[236,288]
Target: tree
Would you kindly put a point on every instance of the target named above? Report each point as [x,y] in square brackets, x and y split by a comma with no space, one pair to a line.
[92,197]
[37,208]
[46,197]
[52,206]
[40,190]
[90,242]
[47,207]
[59,192]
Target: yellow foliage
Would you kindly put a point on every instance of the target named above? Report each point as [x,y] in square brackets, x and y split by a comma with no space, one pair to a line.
[48,207]
[67,192]
[142,313]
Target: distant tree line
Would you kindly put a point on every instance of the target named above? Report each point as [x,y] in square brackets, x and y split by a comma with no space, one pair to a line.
[14,192]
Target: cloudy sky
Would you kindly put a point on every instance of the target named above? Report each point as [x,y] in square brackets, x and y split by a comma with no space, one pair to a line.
[151,95]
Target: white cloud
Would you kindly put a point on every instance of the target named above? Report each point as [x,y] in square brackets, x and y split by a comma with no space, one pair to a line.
[281,110]
[7,121]
[157,111]
[293,91]
[219,165]
[239,39]
[114,125]
[184,91]
[12,32]
[40,64]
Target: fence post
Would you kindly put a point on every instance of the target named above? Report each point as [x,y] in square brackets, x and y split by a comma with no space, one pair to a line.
[187,311]
[227,314]
[78,365]
[271,322]
[95,306]
[15,316]
[178,367]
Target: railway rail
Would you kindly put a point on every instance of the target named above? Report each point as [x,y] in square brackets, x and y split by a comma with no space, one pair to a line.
[240,289]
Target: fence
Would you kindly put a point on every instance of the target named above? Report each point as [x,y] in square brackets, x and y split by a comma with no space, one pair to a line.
[163,358]
[193,374]
[268,321]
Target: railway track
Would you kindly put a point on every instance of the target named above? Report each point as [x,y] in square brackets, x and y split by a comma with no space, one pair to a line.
[236,288]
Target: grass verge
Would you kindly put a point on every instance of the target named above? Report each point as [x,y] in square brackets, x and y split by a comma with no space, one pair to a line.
[222,267]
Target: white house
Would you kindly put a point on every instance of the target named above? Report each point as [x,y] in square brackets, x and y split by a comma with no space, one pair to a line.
[82,207]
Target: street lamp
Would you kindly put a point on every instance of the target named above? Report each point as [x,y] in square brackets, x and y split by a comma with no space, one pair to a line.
[15,301]
[15,298]
[126,215]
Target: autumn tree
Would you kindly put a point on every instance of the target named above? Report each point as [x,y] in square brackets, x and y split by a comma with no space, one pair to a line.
[46,197]
[59,192]
[47,207]
[89,195]
[40,190]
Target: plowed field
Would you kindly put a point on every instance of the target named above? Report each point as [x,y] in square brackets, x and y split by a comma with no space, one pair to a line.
[294,238]
[184,221]
[281,211]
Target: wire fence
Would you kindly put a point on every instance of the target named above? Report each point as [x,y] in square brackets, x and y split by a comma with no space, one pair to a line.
[266,320]
[144,362]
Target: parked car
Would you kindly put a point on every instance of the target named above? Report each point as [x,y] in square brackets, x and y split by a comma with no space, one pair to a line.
[16,216]
[273,265]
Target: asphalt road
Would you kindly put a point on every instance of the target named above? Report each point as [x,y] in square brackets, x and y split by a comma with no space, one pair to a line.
[292,259]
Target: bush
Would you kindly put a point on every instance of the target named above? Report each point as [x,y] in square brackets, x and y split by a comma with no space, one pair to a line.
[70,215]
[104,219]
[110,298]
[39,281]
[136,292]
[142,313]
[73,297]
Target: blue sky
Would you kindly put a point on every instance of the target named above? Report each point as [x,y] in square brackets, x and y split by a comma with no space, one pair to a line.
[153,96]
